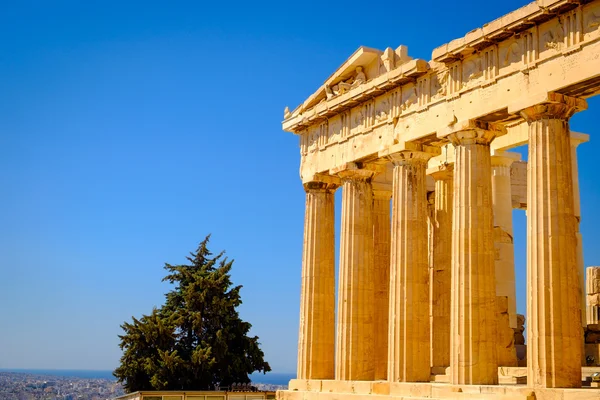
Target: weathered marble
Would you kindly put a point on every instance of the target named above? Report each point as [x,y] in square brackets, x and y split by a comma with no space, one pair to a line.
[473,356]
[554,303]
[504,255]
[441,276]
[450,286]
[592,290]
[317,304]
[355,355]
[381,243]
[409,273]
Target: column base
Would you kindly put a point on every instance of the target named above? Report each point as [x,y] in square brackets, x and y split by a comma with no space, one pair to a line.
[349,390]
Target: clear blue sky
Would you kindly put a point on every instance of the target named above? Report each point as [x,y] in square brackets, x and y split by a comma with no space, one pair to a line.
[130,130]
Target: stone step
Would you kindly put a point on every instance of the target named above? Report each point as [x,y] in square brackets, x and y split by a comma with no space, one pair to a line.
[440,378]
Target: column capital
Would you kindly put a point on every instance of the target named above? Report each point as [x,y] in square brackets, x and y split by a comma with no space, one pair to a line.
[405,149]
[553,106]
[472,131]
[357,171]
[442,172]
[504,158]
[407,157]
[316,186]
[578,138]
[321,182]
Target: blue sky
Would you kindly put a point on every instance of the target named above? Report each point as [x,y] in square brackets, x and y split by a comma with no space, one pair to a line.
[130,130]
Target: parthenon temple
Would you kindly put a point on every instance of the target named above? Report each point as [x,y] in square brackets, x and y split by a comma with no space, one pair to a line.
[421,152]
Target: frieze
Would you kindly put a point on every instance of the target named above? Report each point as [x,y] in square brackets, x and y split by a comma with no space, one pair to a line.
[336,128]
[383,109]
[455,78]
[530,49]
[472,70]
[553,37]
[424,90]
[396,101]
[490,63]
[323,139]
[591,18]
[439,84]
[512,53]
[409,97]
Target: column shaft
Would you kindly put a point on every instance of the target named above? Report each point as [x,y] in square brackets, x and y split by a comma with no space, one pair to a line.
[473,315]
[577,210]
[553,301]
[317,304]
[409,272]
[441,276]
[381,243]
[355,323]
[504,258]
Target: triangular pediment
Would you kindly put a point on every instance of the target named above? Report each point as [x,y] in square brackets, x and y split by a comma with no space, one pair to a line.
[362,57]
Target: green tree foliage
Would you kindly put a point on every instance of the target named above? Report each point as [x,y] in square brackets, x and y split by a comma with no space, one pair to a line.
[196,339]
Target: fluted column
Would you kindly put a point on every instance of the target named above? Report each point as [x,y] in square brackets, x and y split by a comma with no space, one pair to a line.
[503,226]
[409,271]
[356,297]
[504,257]
[317,303]
[441,277]
[576,140]
[381,244]
[554,297]
[473,357]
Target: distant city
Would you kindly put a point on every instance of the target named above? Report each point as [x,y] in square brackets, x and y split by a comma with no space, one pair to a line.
[89,385]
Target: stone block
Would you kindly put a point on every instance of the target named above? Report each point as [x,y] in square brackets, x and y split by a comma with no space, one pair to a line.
[593,299]
[289,395]
[438,370]
[359,387]
[337,386]
[440,378]
[410,389]
[298,384]
[382,388]
[592,285]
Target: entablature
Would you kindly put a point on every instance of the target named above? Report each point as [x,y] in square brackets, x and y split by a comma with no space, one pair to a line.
[503,28]
[414,100]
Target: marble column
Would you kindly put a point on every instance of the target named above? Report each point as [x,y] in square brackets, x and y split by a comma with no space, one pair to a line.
[473,357]
[441,276]
[503,227]
[554,295]
[317,303]
[381,244]
[504,256]
[409,271]
[576,140]
[354,354]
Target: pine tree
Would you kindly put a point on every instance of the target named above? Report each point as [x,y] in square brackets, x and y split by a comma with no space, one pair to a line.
[197,339]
